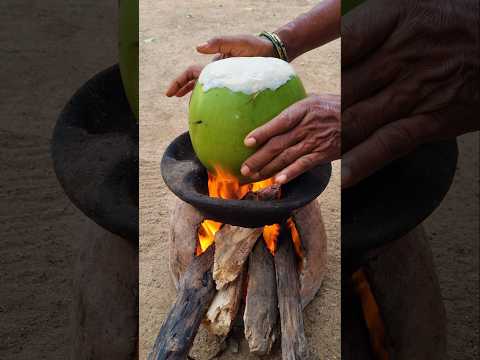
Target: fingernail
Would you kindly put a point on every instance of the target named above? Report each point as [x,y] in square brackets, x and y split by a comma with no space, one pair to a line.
[281,179]
[250,141]
[245,170]
[202,45]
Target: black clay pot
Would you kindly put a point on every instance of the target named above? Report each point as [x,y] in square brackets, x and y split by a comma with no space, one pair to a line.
[396,199]
[186,177]
[95,154]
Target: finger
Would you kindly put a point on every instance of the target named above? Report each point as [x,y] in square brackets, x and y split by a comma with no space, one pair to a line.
[284,159]
[367,77]
[366,27]
[296,169]
[219,44]
[363,118]
[288,119]
[385,145]
[268,152]
[219,57]
[192,73]
[186,89]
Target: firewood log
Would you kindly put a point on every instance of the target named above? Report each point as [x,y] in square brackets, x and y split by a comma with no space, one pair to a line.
[196,292]
[224,307]
[294,344]
[261,312]
[233,245]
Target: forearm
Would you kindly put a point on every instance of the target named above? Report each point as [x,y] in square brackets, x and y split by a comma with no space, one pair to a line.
[312,29]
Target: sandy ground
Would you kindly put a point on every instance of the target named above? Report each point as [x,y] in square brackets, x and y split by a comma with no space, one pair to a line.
[168,33]
[48,49]
[454,236]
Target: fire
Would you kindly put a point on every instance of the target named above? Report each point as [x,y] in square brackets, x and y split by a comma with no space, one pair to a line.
[225,186]
[270,236]
[371,314]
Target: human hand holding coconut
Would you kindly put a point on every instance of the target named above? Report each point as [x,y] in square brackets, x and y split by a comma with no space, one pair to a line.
[306,32]
[303,136]
[289,145]
[250,118]
[411,71]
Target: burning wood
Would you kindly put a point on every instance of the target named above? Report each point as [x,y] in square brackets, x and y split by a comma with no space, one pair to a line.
[294,344]
[224,307]
[195,293]
[233,244]
[266,194]
[261,310]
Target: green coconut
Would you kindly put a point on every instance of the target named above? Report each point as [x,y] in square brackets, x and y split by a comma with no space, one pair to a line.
[128,49]
[219,120]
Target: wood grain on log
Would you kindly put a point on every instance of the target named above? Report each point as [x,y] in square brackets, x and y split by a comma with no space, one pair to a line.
[184,225]
[294,344]
[233,245]
[196,292]
[309,223]
[224,307]
[261,312]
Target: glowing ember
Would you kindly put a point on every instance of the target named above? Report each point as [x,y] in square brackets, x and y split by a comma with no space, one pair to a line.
[225,186]
[371,313]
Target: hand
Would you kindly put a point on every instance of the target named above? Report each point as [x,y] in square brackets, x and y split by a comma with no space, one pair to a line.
[184,83]
[303,136]
[236,46]
[223,46]
[410,74]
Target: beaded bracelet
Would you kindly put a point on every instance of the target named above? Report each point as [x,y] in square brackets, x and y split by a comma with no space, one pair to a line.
[278,44]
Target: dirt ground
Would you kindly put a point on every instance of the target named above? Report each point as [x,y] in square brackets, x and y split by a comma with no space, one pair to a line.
[48,49]
[454,235]
[169,32]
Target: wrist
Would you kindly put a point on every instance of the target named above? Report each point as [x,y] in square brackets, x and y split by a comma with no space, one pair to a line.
[278,48]
[267,48]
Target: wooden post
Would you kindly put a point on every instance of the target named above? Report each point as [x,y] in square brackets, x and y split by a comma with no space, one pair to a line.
[294,344]
[196,292]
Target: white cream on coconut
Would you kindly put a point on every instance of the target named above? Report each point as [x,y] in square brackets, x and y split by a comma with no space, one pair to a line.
[246,74]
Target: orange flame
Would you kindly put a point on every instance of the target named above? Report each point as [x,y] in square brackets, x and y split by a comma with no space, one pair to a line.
[270,236]
[225,186]
[371,314]
[297,244]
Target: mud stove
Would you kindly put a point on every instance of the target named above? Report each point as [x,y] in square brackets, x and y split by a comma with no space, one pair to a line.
[391,302]
[254,253]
